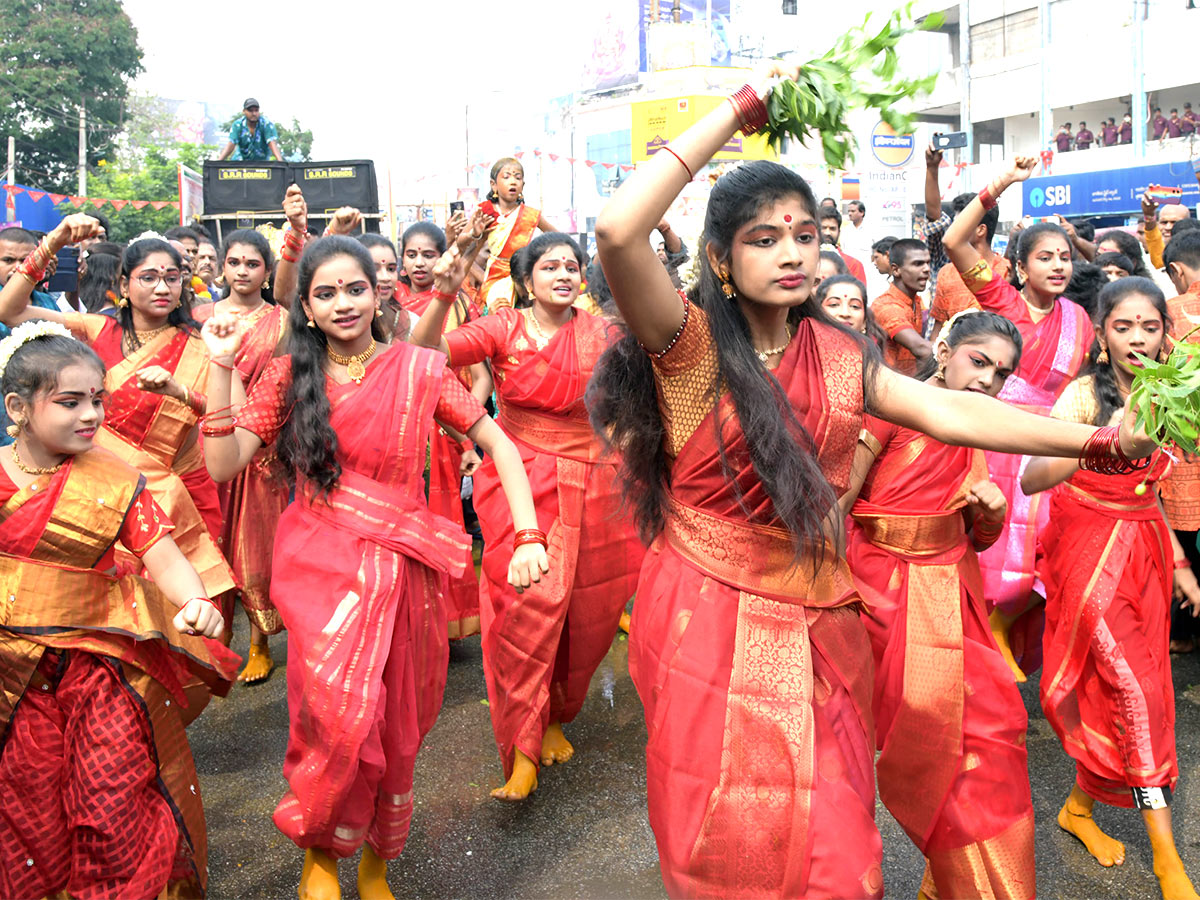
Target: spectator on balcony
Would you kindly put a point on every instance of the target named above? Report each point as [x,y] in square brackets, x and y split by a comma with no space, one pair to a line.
[1064,138]
[1108,132]
[253,136]
[1083,137]
[1158,124]
[1187,124]
[1174,125]
[1126,130]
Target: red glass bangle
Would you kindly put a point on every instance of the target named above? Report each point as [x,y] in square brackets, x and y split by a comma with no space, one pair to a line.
[985,197]
[529,536]
[445,295]
[1102,453]
[750,109]
[681,162]
[1182,563]
[217,430]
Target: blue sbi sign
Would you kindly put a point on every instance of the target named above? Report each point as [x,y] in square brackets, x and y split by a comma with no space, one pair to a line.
[1107,193]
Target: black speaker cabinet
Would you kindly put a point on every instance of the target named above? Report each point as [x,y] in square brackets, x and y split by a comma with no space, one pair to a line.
[330,185]
[251,186]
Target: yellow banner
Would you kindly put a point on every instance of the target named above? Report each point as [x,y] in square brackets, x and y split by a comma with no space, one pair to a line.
[657,122]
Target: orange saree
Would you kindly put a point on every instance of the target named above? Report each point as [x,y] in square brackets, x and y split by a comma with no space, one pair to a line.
[357,579]
[253,502]
[1106,688]
[950,723]
[540,648]
[754,674]
[98,792]
[445,484]
[512,232]
[155,435]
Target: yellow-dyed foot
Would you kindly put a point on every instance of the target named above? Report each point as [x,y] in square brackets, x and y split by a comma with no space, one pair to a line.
[1000,625]
[555,746]
[1079,822]
[623,622]
[258,665]
[319,880]
[523,781]
[372,876]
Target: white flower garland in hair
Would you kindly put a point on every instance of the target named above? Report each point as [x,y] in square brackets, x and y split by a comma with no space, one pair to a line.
[26,332]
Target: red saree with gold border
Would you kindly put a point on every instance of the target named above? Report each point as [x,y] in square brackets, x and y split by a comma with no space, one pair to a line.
[755,674]
[1106,688]
[98,791]
[1055,348]
[156,435]
[366,623]
[253,502]
[445,484]
[540,648]
[949,720]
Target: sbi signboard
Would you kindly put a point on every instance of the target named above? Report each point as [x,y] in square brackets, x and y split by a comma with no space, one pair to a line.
[1110,193]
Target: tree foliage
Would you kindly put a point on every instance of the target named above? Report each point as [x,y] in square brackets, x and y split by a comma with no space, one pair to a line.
[55,54]
[153,177]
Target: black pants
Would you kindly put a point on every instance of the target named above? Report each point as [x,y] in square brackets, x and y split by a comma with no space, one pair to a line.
[1183,624]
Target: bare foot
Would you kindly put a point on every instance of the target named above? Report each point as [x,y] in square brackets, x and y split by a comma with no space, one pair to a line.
[319,880]
[1000,626]
[258,665]
[623,622]
[1184,645]
[555,746]
[372,876]
[523,781]
[1173,881]
[1108,851]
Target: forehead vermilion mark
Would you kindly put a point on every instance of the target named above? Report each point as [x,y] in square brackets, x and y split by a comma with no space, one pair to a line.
[787,219]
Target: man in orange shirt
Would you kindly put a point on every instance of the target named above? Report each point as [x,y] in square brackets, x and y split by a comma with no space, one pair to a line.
[898,309]
[951,295]
[1180,491]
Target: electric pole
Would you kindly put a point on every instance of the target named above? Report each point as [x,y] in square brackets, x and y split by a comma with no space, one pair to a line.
[82,149]
[11,178]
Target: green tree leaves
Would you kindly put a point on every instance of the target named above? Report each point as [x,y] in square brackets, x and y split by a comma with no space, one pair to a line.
[1167,397]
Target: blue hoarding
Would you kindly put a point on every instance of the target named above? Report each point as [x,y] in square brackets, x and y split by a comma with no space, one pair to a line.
[1106,193]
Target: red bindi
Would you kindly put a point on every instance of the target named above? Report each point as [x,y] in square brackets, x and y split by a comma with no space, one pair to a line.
[787,219]
[340,282]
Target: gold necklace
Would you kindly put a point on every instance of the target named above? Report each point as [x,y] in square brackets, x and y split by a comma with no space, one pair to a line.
[1035,309]
[355,365]
[143,336]
[765,355]
[541,338]
[33,470]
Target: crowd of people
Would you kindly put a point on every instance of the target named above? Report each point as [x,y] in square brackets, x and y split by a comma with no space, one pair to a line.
[850,524]
[1111,133]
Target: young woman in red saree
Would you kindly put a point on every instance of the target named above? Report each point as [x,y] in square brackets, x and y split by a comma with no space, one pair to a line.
[515,224]
[98,793]
[1057,336]
[253,502]
[1109,560]
[395,321]
[949,721]
[365,619]
[737,418]
[541,649]
[157,372]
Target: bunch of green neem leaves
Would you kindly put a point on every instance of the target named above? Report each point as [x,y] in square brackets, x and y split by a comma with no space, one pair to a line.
[1167,396]
[858,71]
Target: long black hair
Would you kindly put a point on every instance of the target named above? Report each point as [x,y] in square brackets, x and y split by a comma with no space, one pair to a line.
[972,326]
[136,254]
[307,443]
[99,281]
[1104,382]
[1027,241]
[1129,246]
[623,396]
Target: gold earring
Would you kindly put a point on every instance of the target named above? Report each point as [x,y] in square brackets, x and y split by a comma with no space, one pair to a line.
[941,371]
[378,312]
[14,430]
[727,290]
[266,283]
[123,301]
[312,324]
[1103,357]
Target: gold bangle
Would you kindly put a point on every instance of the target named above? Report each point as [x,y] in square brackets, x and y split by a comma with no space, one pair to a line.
[187,397]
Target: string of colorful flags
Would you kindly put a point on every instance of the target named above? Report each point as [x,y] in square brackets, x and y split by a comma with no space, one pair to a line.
[80,202]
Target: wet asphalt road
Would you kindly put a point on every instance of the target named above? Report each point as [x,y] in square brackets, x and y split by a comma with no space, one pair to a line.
[584,832]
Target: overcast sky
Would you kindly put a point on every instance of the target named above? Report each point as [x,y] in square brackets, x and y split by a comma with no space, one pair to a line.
[380,80]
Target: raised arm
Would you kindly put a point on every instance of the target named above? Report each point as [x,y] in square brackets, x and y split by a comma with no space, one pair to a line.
[967,419]
[640,285]
[933,191]
[448,275]
[225,455]
[287,273]
[14,298]
[957,239]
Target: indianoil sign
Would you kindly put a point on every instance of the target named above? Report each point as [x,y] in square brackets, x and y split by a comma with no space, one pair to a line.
[656,122]
[889,148]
